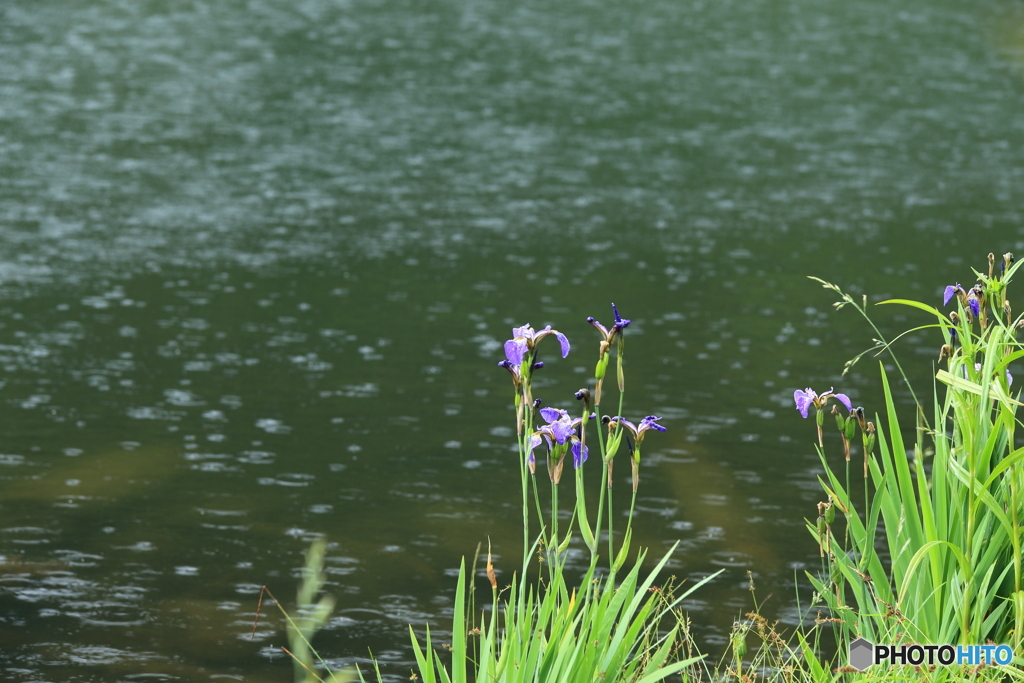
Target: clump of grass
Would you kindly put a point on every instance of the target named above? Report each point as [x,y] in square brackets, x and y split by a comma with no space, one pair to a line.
[615,626]
[945,505]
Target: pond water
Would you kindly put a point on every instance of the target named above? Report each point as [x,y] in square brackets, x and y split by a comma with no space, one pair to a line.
[260,257]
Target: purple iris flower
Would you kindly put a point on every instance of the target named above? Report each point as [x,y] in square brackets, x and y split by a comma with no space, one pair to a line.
[525,338]
[974,300]
[950,291]
[805,398]
[649,422]
[559,429]
[620,324]
[559,425]
[638,431]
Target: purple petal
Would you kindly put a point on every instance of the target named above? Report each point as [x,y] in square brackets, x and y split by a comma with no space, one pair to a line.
[619,321]
[803,399]
[972,301]
[562,430]
[579,453]
[626,423]
[845,400]
[1009,378]
[600,328]
[577,421]
[515,350]
[650,422]
[950,291]
[524,332]
[551,414]
[564,342]
[535,441]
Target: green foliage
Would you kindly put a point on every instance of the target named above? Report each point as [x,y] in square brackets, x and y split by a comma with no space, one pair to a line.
[554,633]
[945,503]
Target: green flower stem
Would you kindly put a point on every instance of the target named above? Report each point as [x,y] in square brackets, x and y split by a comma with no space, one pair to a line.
[552,542]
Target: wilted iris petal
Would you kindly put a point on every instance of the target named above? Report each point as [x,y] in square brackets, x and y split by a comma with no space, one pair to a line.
[845,400]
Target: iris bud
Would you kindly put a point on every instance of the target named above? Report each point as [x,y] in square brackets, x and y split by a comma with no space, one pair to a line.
[851,427]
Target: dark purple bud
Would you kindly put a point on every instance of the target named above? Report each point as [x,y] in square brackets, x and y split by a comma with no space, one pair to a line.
[538,365]
[536,403]
[513,370]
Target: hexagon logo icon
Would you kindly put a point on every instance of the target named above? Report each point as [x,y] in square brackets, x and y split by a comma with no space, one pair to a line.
[862,654]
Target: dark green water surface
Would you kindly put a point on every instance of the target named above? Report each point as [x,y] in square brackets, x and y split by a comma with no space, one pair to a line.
[259,259]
